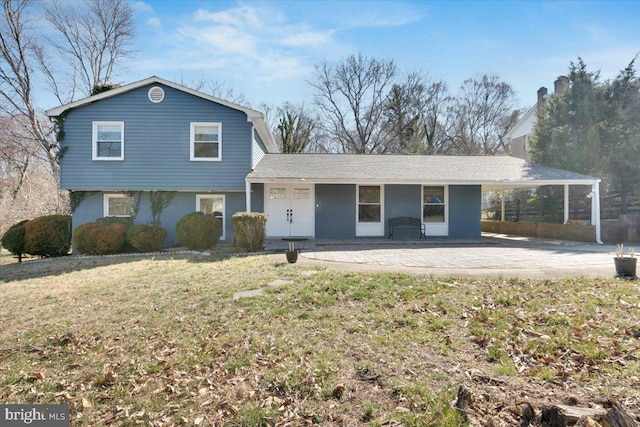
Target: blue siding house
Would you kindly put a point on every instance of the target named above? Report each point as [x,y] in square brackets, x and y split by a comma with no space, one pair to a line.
[154,139]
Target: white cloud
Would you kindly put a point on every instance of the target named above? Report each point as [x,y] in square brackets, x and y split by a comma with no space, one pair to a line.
[309,38]
[242,16]
[251,37]
[141,7]
[154,23]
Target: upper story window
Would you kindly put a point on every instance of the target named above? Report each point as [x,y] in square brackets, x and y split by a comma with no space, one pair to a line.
[206,141]
[108,141]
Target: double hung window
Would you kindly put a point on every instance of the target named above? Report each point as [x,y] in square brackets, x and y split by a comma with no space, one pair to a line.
[108,141]
[206,141]
[433,204]
[369,203]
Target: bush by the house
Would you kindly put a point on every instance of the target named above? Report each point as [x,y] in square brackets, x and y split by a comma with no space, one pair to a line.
[124,220]
[13,239]
[249,228]
[99,238]
[48,235]
[146,238]
[198,231]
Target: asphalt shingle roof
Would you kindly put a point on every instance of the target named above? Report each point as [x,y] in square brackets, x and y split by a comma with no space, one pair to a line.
[489,171]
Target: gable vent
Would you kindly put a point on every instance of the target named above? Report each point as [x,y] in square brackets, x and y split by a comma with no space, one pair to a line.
[156,94]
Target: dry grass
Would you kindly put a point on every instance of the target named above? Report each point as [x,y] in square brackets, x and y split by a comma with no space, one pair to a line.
[161,341]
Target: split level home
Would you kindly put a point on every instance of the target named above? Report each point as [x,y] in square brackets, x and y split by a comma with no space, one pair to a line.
[124,147]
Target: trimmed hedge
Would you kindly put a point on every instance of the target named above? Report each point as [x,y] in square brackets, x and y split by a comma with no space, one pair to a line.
[249,228]
[48,235]
[99,238]
[13,239]
[198,231]
[146,238]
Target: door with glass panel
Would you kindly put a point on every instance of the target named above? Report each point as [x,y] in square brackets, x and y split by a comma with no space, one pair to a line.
[290,208]
[212,204]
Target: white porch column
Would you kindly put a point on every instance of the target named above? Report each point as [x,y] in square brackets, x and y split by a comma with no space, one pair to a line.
[502,206]
[595,209]
[566,203]
[247,190]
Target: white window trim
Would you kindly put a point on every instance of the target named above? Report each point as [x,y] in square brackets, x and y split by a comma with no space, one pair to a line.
[94,141]
[436,228]
[369,229]
[224,208]
[192,135]
[105,205]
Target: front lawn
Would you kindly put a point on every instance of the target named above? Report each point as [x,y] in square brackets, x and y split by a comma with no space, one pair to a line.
[167,340]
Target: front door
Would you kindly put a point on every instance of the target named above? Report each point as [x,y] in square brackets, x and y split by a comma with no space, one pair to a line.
[290,208]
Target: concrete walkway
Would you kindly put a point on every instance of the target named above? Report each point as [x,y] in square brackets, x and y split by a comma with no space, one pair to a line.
[492,256]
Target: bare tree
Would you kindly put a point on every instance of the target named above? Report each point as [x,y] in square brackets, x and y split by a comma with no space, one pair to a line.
[481,115]
[297,130]
[96,39]
[91,38]
[216,88]
[414,115]
[350,97]
[17,157]
[18,48]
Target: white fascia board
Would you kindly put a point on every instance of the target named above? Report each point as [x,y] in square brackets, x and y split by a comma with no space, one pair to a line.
[497,185]
[54,112]
[529,115]
[261,126]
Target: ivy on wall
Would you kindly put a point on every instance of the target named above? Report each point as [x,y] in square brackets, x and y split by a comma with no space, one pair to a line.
[58,128]
[76,197]
[159,201]
[135,202]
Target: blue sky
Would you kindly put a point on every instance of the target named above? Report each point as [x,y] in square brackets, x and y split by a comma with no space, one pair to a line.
[267,49]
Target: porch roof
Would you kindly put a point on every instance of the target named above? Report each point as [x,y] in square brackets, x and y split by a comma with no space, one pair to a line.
[491,172]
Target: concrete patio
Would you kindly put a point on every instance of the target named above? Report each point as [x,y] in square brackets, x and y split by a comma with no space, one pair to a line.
[492,256]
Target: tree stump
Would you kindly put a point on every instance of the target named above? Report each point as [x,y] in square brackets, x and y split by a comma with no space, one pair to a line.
[562,416]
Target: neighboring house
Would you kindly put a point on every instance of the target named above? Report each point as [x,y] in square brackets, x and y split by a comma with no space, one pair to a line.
[151,138]
[519,136]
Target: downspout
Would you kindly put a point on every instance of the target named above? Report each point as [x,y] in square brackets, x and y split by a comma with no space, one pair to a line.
[247,184]
[595,209]
[566,204]
[247,190]
[502,215]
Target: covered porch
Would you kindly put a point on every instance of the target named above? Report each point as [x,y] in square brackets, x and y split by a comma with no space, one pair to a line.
[404,186]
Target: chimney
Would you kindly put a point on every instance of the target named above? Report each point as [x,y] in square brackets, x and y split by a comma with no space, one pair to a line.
[542,95]
[561,85]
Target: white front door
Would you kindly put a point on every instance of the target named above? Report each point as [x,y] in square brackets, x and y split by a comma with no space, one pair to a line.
[290,208]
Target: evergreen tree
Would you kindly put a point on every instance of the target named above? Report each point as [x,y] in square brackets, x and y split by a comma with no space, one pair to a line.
[593,128]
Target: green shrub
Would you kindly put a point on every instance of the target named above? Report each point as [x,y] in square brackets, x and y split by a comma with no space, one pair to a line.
[99,238]
[249,228]
[198,231]
[48,235]
[13,239]
[146,238]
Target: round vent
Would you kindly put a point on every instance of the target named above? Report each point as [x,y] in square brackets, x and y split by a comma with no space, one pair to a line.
[156,94]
